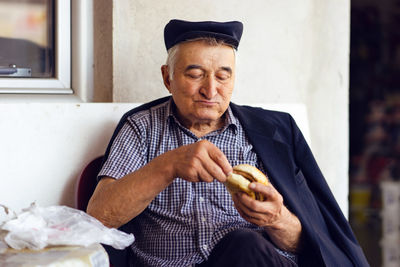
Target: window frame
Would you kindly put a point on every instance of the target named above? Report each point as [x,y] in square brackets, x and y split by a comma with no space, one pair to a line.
[73,55]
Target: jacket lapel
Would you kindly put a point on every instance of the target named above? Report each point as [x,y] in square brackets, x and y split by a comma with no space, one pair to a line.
[273,153]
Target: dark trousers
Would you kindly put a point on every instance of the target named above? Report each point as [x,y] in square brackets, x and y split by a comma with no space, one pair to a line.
[242,247]
[245,247]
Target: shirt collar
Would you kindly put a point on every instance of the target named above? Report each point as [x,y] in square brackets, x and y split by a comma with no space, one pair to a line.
[230,120]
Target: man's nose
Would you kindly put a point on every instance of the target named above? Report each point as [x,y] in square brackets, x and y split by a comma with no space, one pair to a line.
[209,87]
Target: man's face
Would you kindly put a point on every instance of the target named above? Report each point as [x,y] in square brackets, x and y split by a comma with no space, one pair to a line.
[202,82]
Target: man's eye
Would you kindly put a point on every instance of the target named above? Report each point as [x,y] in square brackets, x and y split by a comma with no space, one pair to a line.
[194,75]
[223,76]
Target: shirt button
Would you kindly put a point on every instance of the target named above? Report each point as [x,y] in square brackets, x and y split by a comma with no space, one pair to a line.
[205,246]
[203,219]
[201,199]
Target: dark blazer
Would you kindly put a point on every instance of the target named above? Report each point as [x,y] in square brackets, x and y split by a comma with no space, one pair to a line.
[327,237]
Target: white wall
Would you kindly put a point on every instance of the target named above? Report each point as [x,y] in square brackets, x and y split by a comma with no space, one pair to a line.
[44,147]
[292,51]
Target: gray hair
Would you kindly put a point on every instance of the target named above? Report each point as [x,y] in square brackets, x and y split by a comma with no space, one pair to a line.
[173,51]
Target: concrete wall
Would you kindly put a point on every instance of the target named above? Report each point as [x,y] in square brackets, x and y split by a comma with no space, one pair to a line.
[292,51]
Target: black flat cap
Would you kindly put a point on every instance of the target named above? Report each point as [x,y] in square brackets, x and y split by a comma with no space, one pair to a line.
[177,31]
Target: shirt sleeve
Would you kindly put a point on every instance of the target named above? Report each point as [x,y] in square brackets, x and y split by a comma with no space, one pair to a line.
[128,151]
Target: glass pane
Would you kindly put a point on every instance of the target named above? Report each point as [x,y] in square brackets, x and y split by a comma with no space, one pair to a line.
[27,38]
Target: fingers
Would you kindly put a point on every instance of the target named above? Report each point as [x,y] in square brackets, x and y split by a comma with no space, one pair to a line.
[266,213]
[201,161]
[211,171]
[244,213]
[214,163]
[220,159]
[269,191]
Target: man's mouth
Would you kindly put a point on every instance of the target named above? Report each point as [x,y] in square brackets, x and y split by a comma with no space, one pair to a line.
[207,102]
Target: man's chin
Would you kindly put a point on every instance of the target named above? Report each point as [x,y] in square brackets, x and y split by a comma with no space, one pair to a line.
[209,117]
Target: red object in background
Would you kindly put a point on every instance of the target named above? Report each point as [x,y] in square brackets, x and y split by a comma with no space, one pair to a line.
[376,166]
[85,186]
[86,183]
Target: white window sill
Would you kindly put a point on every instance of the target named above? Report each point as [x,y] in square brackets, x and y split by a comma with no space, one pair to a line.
[38,98]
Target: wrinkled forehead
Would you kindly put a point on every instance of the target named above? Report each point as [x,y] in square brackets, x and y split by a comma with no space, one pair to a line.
[202,52]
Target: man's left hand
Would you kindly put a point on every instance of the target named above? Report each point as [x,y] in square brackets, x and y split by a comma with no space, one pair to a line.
[282,226]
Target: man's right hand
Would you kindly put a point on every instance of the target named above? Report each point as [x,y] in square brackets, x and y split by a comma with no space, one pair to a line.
[199,162]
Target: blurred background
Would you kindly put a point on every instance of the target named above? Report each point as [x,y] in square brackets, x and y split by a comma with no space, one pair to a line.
[375,129]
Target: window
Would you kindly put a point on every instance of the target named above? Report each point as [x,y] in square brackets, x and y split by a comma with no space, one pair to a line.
[51,44]
[26,38]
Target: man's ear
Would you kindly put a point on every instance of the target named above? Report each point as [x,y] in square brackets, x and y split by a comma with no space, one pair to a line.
[165,75]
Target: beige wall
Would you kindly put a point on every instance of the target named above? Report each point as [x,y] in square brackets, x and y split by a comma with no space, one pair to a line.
[292,51]
[103,50]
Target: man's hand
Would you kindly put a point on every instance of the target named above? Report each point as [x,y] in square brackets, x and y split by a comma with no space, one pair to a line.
[283,227]
[199,162]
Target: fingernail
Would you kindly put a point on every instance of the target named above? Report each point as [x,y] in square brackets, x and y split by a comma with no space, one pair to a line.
[252,186]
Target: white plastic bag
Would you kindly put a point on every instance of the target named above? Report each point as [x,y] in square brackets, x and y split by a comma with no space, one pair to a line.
[6,214]
[37,227]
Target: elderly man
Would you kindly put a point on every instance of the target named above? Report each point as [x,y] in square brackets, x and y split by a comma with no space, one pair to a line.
[163,173]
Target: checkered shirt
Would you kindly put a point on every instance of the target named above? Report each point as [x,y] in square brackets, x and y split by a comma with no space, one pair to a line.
[184,222]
